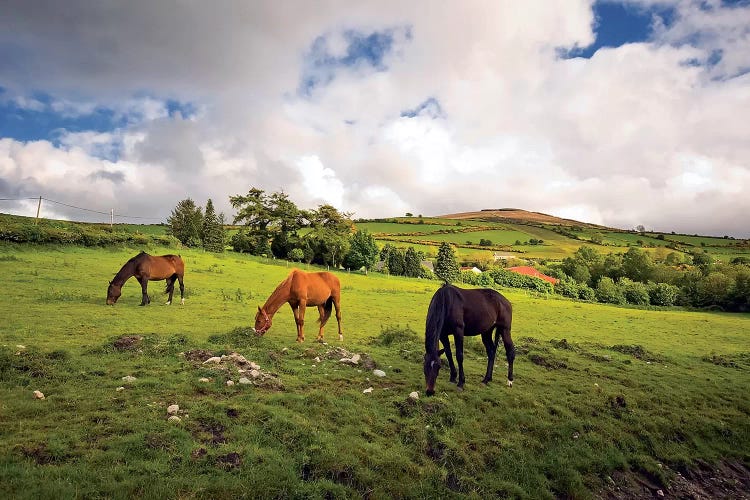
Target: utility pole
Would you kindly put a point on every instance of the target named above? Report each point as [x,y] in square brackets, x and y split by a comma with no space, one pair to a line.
[111,219]
[38,209]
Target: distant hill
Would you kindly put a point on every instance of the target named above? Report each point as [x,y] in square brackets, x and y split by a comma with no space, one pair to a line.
[517,215]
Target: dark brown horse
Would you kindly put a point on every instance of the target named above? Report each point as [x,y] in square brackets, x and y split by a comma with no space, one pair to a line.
[458,312]
[300,290]
[147,268]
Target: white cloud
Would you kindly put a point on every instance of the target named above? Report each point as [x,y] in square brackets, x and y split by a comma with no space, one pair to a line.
[639,134]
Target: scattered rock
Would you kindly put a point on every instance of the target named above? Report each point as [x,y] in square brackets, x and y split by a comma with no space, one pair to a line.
[19,346]
[317,359]
[204,379]
[660,493]
[414,395]
[173,409]
[245,381]
[174,419]
[120,389]
[367,391]
[214,359]
[254,373]
[129,378]
[38,395]
[230,383]
[378,373]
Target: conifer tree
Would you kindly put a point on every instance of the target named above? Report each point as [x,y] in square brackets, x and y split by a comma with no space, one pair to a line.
[446,265]
[185,223]
[213,234]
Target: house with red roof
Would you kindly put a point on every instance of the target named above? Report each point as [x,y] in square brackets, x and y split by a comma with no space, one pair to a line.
[530,271]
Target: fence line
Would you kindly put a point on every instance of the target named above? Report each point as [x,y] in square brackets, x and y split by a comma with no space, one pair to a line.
[111,213]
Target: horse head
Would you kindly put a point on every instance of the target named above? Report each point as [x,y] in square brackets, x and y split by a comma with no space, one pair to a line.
[113,293]
[432,366]
[262,321]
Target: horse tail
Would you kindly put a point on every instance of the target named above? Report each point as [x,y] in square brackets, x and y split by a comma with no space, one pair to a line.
[327,308]
[435,318]
[170,283]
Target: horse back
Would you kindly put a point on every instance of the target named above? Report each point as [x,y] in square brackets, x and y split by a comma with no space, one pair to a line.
[317,287]
[484,308]
[163,266]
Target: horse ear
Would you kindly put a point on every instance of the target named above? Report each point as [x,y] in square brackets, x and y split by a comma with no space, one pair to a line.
[259,309]
[440,352]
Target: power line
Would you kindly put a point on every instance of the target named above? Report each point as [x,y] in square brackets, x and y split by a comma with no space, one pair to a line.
[82,208]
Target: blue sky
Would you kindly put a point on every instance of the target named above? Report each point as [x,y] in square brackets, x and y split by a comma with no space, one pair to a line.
[384,108]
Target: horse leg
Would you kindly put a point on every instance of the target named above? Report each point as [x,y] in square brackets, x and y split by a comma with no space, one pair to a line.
[299,318]
[447,348]
[144,290]
[510,353]
[323,321]
[170,287]
[182,290]
[337,305]
[458,338]
[491,349]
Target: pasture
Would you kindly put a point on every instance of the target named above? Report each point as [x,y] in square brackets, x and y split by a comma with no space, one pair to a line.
[599,390]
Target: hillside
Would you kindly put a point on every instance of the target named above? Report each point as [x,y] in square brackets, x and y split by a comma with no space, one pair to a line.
[517,215]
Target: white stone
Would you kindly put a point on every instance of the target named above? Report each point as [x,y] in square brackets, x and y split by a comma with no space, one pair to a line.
[173,409]
[317,359]
[367,391]
[174,419]
[245,381]
[119,389]
[254,373]
[254,366]
[38,395]
[356,358]
[215,359]
[129,378]
[414,395]
[204,379]
[230,383]
[19,346]
[378,373]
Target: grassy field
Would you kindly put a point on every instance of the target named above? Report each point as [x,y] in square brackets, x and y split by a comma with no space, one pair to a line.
[626,389]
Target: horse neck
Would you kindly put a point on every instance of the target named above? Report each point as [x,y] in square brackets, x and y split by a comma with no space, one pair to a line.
[278,298]
[124,274]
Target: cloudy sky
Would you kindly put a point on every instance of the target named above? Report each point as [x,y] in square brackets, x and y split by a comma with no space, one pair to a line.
[613,112]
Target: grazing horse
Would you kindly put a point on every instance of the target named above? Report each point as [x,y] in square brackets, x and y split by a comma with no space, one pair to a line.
[147,268]
[300,290]
[458,312]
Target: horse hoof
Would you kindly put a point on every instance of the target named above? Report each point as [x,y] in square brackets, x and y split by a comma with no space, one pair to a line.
[182,302]
[460,388]
[510,383]
[168,303]
[341,338]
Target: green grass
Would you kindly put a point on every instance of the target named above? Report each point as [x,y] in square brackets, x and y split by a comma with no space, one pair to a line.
[628,388]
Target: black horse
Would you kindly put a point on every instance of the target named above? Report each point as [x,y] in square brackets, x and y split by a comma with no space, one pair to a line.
[466,312]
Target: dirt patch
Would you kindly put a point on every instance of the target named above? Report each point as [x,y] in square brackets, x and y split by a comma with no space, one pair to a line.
[198,355]
[638,352]
[38,453]
[211,433]
[547,362]
[229,461]
[198,453]
[729,479]
[128,343]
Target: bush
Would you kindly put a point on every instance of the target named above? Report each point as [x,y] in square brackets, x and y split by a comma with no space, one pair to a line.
[608,293]
[585,292]
[634,292]
[662,294]
[567,287]
[516,280]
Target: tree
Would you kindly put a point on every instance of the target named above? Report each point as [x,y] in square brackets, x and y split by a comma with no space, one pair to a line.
[396,262]
[446,265]
[702,260]
[637,265]
[662,294]
[213,234]
[185,223]
[634,292]
[412,263]
[363,251]
[296,254]
[267,218]
[329,238]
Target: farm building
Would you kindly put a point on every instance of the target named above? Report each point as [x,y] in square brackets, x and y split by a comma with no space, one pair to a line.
[530,271]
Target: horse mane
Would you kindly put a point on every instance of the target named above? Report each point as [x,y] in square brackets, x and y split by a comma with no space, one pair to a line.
[278,291]
[127,270]
[436,317]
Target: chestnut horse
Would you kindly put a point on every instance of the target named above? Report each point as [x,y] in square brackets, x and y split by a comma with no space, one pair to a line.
[300,290]
[147,268]
[458,312]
